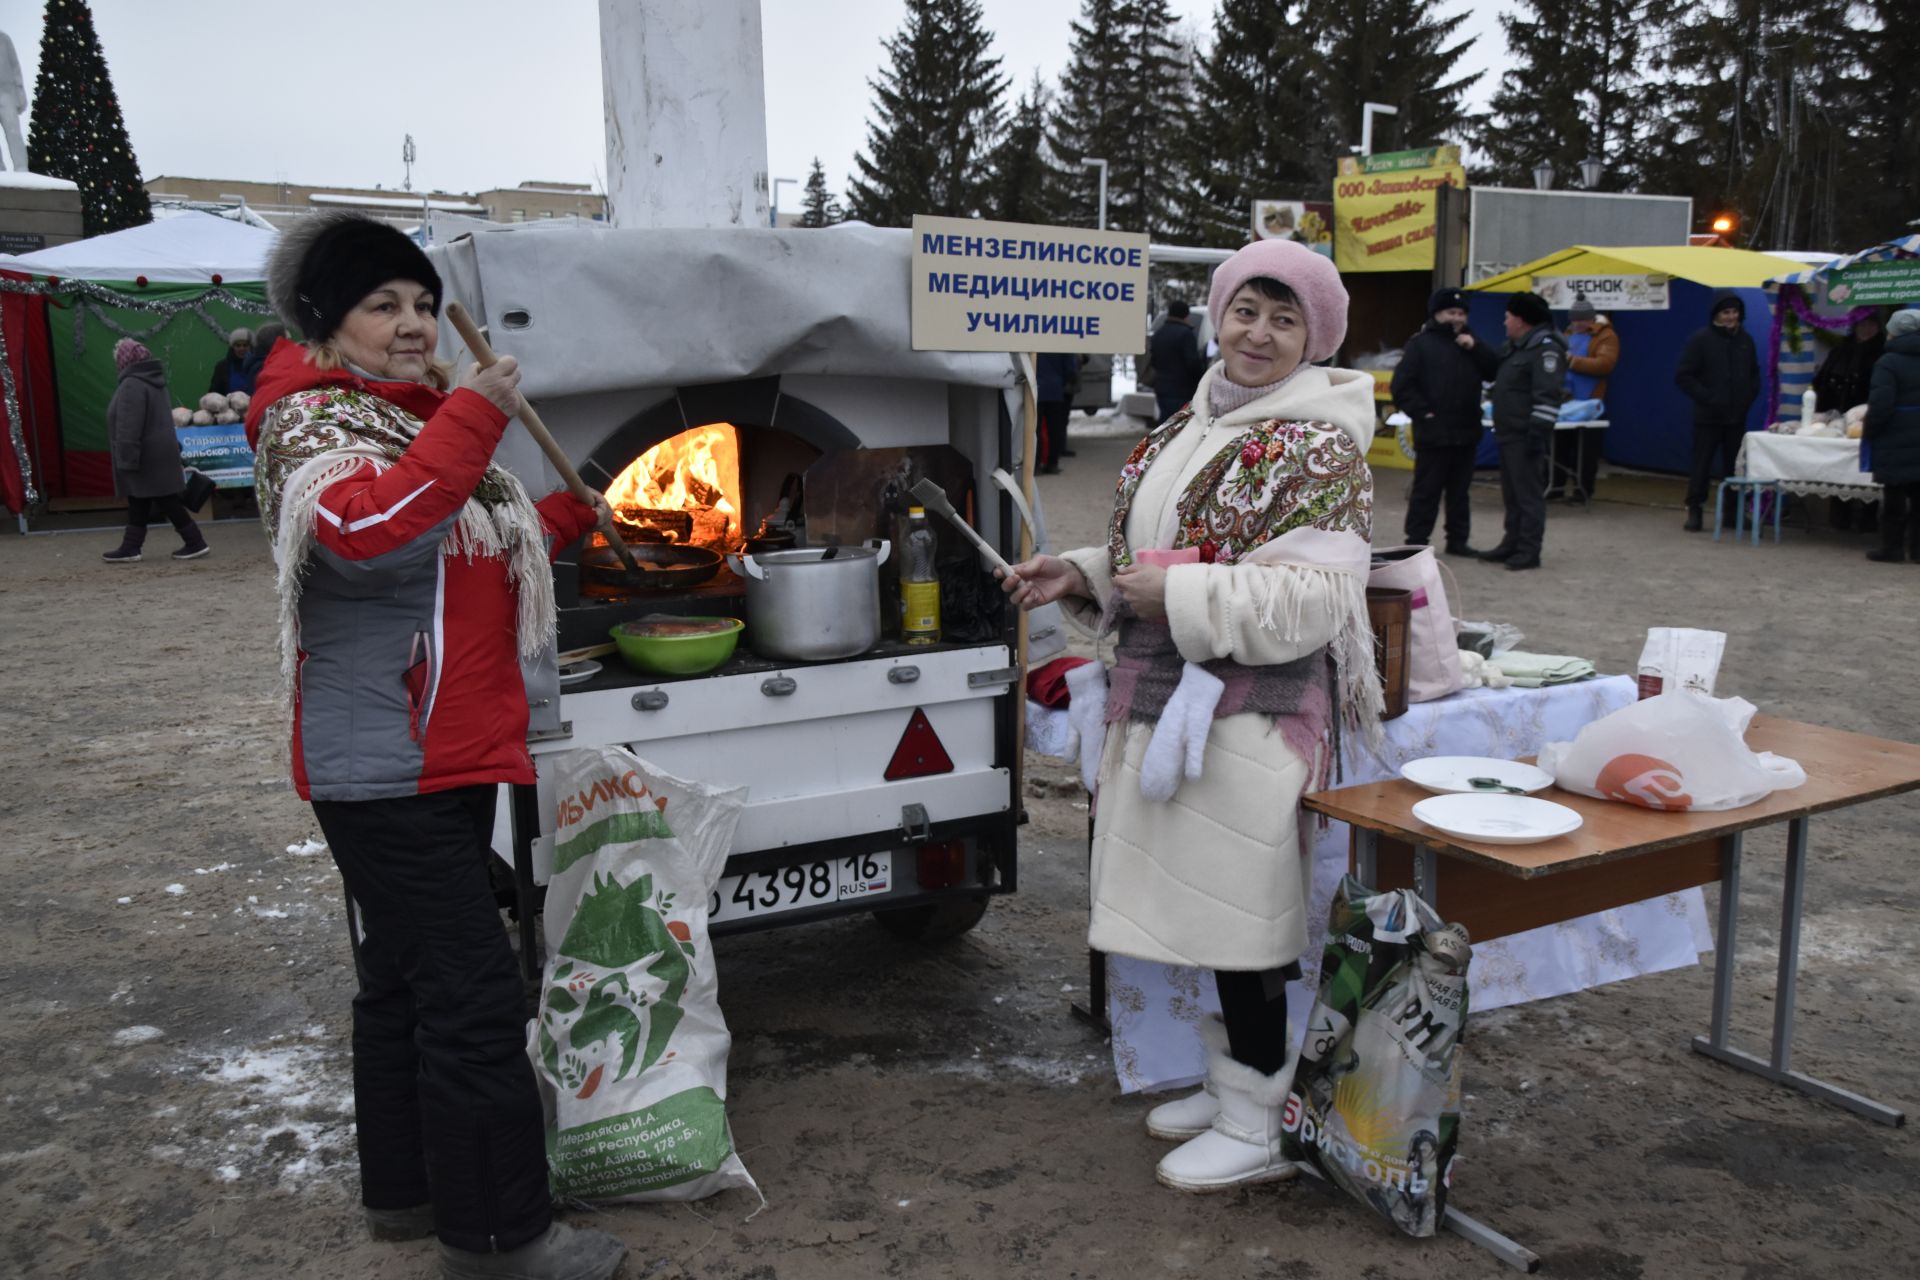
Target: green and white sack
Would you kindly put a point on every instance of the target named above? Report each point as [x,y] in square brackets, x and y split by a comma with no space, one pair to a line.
[629,1045]
[1375,1103]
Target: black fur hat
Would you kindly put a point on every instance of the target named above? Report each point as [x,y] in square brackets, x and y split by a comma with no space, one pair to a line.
[1443,299]
[1530,307]
[322,266]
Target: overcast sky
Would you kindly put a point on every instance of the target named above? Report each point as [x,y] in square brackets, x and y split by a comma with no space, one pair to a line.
[494,92]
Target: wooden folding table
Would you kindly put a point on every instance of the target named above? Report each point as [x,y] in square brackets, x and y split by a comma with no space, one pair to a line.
[1622,854]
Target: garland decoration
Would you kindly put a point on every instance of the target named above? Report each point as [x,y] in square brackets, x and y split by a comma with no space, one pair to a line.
[89,298]
[1792,303]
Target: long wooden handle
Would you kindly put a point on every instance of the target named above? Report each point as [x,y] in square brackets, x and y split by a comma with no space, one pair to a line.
[483,353]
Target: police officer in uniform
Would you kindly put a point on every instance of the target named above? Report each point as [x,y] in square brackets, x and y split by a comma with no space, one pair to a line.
[1527,392]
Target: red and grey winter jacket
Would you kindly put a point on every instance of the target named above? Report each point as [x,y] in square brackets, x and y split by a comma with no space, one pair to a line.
[408,675]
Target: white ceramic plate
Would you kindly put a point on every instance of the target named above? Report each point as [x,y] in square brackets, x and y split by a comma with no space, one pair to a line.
[1444,774]
[1497,818]
[578,672]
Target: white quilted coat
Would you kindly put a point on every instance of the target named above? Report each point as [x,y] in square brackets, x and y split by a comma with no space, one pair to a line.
[1218,876]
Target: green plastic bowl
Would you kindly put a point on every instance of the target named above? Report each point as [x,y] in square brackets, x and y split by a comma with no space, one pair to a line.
[671,655]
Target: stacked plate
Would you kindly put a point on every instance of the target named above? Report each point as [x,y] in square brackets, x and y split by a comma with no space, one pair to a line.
[1476,800]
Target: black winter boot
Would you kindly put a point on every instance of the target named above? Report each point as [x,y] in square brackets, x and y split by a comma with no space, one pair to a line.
[564,1253]
[128,551]
[1694,520]
[193,544]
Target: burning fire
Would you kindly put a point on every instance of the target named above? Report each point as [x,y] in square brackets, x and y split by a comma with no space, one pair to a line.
[696,472]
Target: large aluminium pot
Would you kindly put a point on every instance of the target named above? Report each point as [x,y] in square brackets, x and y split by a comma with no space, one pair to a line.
[813,604]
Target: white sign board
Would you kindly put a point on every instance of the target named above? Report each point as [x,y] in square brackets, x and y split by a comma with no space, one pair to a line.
[1011,286]
[1606,293]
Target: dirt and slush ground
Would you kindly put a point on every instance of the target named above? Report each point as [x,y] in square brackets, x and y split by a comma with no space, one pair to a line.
[176,985]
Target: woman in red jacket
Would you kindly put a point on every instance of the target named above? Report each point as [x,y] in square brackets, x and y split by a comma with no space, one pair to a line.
[414,579]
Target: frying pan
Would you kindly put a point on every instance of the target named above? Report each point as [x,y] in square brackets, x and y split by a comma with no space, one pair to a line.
[657,566]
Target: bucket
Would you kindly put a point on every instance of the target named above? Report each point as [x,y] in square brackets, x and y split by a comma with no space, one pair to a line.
[1390,610]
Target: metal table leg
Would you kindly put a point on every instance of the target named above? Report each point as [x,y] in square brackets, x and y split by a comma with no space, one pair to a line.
[1366,846]
[1779,1068]
[1094,1011]
[1470,1229]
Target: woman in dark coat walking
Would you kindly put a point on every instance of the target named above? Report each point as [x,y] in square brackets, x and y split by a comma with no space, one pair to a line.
[1893,431]
[146,455]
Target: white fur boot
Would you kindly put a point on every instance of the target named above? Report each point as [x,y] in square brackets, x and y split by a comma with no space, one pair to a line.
[1184,1118]
[1243,1144]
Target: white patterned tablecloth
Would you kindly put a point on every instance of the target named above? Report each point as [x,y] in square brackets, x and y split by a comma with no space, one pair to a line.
[1826,466]
[1155,1008]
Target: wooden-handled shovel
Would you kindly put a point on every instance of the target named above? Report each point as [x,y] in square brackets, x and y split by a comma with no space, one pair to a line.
[477,343]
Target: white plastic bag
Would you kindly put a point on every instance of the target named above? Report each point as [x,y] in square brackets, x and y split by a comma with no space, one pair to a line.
[1678,751]
[629,1045]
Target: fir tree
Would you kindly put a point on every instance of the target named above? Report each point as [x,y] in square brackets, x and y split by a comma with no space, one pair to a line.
[818,208]
[1120,101]
[77,132]
[1890,128]
[1754,110]
[1576,88]
[1022,185]
[1395,52]
[937,111]
[1258,128]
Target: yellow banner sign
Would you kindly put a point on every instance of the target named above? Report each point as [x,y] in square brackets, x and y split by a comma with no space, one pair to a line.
[1383,208]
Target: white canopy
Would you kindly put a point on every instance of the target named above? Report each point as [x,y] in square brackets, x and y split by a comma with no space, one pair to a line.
[588,308]
[190,248]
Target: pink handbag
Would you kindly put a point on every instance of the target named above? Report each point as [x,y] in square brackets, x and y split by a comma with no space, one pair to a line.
[1433,654]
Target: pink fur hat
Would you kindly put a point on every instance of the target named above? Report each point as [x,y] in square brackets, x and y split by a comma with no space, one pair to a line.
[1314,279]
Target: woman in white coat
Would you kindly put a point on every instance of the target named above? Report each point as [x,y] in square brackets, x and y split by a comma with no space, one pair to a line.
[1235,577]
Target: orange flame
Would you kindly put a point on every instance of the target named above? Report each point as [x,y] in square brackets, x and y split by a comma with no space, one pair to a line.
[695,471]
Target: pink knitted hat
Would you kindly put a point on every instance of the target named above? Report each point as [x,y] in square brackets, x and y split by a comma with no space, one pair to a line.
[127,351]
[1314,279]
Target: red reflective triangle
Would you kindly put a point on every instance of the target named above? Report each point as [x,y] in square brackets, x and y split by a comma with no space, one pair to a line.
[920,752]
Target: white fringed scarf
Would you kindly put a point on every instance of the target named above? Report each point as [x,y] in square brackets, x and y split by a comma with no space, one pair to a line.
[509,529]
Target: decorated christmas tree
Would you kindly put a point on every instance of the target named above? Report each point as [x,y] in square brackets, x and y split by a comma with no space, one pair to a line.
[76,132]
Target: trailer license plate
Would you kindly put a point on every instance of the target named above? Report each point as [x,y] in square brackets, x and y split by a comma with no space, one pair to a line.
[807,884]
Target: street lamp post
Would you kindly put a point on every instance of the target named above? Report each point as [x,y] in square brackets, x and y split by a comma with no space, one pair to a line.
[1543,176]
[1102,166]
[1592,169]
[773,213]
[1367,112]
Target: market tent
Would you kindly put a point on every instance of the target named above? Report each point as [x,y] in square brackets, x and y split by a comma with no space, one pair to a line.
[1821,298]
[1651,419]
[179,284]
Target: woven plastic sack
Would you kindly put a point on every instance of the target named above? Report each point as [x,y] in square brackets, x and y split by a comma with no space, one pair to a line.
[1375,1104]
[629,1044]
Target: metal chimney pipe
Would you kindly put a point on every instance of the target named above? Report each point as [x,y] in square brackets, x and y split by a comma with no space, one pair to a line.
[686,113]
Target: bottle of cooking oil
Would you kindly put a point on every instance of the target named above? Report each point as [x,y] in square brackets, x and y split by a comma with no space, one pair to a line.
[919,583]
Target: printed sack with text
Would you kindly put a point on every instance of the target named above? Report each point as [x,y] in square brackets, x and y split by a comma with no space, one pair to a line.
[1375,1104]
[629,1045]
[1677,751]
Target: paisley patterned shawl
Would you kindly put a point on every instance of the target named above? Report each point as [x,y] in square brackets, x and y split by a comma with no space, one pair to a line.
[1276,478]
[313,438]
[1273,478]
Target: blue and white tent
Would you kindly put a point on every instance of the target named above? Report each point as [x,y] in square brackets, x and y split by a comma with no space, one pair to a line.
[1794,353]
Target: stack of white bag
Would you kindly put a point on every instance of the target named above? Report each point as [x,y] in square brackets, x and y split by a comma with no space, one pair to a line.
[629,1046]
[1678,751]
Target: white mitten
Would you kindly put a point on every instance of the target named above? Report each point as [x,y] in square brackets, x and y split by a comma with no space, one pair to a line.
[1180,738]
[1087,713]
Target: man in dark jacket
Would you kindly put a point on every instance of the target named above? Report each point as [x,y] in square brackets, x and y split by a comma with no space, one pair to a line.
[1846,374]
[1437,384]
[1720,372]
[1055,373]
[1526,405]
[1174,354]
[1892,432]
